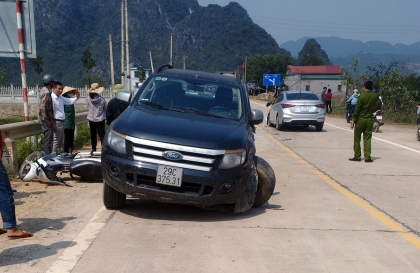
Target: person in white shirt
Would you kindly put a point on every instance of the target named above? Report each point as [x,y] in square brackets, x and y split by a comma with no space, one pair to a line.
[59,115]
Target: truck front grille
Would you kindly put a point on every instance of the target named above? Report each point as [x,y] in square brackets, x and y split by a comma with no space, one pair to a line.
[193,158]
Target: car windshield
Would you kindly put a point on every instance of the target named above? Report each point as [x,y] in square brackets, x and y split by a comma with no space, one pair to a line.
[302,96]
[191,96]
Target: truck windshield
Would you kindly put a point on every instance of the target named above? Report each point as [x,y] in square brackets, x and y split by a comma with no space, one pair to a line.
[199,96]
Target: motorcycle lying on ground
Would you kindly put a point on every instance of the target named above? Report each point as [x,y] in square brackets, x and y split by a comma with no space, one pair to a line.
[377,120]
[45,167]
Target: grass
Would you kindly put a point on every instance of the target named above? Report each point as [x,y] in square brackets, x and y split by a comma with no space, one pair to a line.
[25,148]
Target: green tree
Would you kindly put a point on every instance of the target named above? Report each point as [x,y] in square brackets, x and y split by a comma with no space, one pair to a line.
[88,61]
[3,76]
[258,65]
[352,77]
[400,101]
[140,73]
[37,64]
[312,54]
[88,80]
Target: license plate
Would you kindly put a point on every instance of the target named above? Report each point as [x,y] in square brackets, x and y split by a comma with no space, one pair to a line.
[168,175]
[304,108]
[378,117]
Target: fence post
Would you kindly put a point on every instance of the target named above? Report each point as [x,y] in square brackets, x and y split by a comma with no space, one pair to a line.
[12,91]
[9,159]
[34,141]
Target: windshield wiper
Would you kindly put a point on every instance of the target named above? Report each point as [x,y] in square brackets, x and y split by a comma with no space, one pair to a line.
[153,104]
[193,110]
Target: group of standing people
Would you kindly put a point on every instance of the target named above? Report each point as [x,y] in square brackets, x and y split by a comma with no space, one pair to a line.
[56,114]
[57,119]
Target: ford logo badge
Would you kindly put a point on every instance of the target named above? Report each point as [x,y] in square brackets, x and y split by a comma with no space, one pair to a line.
[172,155]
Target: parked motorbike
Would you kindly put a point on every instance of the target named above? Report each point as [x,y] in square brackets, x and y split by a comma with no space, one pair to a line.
[45,167]
[418,127]
[349,113]
[377,120]
[418,133]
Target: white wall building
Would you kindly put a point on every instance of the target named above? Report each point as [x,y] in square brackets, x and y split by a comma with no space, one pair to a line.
[315,78]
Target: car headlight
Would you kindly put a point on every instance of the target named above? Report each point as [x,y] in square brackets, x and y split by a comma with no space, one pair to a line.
[233,158]
[116,141]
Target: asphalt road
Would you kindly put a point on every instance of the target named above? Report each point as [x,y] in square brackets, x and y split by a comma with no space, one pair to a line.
[326,215]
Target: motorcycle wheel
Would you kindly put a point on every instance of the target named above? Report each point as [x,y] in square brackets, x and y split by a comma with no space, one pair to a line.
[376,125]
[418,133]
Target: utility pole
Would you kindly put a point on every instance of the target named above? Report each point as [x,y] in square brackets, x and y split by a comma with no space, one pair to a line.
[170,52]
[22,59]
[111,61]
[126,46]
[245,70]
[151,62]
[122,44]
[184,62]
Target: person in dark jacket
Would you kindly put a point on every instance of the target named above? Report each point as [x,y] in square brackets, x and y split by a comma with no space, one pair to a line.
[69,120]
[96,114]
[115,107]
[362,122]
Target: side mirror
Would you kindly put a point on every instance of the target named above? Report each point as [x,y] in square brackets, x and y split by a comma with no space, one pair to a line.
[268,104]
[257,117]
[123,96]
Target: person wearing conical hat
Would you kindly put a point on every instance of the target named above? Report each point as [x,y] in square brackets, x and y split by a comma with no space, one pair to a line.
[96,114]
[58,105]
[69,119]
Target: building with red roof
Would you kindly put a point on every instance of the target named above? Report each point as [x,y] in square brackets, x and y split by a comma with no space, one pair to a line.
[315,78]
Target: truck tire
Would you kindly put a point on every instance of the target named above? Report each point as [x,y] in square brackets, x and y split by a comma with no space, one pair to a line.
[248,197]
[266,182]
[112,198]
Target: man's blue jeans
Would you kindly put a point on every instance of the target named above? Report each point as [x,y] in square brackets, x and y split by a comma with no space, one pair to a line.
[7,203]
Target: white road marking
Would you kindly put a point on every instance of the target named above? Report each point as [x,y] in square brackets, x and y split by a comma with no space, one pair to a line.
[380,139]
[81,243]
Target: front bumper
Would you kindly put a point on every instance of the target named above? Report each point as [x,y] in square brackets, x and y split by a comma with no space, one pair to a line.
[200,188]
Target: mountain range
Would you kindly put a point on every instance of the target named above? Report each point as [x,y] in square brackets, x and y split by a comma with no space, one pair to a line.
[208,38]
[211,38]
[339,47]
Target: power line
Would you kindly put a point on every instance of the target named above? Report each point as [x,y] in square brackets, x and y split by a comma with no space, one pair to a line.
[333,23]
[78,24]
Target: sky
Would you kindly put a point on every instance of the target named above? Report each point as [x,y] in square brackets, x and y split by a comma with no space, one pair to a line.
[393,21]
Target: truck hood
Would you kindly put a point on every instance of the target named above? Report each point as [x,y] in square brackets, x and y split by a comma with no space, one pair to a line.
[187,129]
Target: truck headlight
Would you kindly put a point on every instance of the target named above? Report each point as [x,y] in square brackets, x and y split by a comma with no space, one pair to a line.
[116,141]
[233,158]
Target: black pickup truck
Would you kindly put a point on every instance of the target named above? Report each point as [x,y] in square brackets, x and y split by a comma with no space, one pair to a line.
[188,138]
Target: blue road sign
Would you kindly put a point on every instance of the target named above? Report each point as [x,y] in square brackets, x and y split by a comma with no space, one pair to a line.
[271,80]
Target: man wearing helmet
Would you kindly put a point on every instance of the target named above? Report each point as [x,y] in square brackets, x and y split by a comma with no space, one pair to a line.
[46,113]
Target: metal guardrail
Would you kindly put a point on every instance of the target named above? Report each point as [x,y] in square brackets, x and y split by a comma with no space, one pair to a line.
[12,131]
[30,128]
[15,92]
